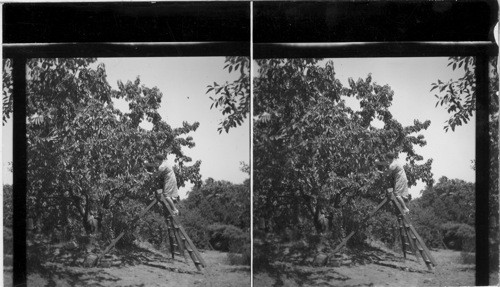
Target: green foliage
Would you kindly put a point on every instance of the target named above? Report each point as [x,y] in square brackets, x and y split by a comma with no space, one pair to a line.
[459,95]
[85,157]
[195,224]
[233,99]
[222,201]
[7,205]
[7,87]
[427,224]
[225,237]
[445,213]
[315,155]
[217,215]
[7,219]
[456,233]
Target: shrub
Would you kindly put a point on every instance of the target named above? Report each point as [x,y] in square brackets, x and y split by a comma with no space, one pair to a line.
[196,226]
[222,237]
[456,234]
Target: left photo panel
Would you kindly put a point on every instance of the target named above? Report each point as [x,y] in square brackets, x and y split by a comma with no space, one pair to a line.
[134,167]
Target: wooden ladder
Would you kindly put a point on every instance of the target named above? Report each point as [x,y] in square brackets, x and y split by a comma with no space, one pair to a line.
[181,238]
[178,238]
[409,235]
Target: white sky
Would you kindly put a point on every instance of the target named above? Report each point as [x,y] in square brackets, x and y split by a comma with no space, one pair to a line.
[183,83]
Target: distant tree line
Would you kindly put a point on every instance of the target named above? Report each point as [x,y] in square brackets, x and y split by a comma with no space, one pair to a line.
[445,214]
[217,216]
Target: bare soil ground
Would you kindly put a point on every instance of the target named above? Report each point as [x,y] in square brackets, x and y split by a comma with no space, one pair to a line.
[375,268]
[142,268]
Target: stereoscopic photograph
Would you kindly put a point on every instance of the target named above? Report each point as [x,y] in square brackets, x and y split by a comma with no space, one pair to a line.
[250,143]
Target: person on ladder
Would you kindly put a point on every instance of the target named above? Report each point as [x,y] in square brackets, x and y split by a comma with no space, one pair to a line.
[398,179]
[166,177]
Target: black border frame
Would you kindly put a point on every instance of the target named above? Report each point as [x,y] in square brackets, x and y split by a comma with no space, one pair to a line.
[41,35]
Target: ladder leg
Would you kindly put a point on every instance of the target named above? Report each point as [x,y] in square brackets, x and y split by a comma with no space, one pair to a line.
[401,235]
[421,242]
[417,240]
[193,256]
[171,239]
[193,249]
[405,229]
[420,249]
[424,256]
[175,235]
[180,240]
[411,240]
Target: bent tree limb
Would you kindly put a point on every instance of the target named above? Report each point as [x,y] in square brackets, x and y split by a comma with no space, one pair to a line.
[353,232]
[113,243]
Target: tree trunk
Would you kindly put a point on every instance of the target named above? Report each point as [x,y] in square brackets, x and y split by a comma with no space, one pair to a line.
[89,223]
[317,223]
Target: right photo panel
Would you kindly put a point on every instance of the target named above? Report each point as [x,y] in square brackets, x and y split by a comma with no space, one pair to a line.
[375,156]
[366,165]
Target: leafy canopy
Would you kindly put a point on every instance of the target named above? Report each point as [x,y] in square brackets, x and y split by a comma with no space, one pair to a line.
[445,213]
[459,95]
[312,152]
[85,155]
[232,99]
